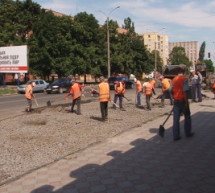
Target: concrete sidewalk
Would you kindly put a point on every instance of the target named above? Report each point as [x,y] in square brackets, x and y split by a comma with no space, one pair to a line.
[136,161]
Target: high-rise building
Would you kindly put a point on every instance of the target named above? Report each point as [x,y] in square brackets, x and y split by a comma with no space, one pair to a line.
[191,49]
[158,42]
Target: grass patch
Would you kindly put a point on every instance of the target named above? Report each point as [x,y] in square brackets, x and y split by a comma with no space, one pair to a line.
[7,91]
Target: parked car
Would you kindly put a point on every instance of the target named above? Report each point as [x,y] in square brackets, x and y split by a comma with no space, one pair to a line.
[59,86]
[128,83]
[40,86]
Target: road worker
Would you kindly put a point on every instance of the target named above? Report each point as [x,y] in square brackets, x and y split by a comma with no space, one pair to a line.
[29,95]
[153,83]
[104,97]
[76,96]
[139,90]
[166,90]
[213,88]
[119,88]
[180,89]
[147,87]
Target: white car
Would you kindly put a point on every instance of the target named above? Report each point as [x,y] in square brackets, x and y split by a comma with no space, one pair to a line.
[40,86]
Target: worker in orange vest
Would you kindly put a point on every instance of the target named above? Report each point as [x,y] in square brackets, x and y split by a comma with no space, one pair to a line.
[148,92]
[76,96]
[153,83]
[180,89]
[29,95]
[213,89]
[104,97]
[119,88]
[139,90]
[166,90]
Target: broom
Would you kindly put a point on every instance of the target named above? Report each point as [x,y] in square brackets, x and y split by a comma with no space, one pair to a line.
[161,130]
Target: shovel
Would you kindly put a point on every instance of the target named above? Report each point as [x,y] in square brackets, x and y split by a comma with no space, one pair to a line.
[35,100]
[161,130]
[126,98]
[48,103]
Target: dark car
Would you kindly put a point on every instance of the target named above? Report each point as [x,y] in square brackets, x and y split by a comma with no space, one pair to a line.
[59,86]
[128,83]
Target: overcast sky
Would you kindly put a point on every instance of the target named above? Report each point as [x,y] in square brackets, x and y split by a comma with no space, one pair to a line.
[183,20]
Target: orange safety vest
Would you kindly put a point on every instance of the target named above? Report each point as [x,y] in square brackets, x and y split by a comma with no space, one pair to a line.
[139,86]
[28,91]
[119,88]
[104,92]
[153,82]
[178,87]
[165,84]
[76,91]
[148,88]
[213,85]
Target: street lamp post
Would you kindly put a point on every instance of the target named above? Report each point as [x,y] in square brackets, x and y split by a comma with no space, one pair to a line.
[108,42]
[156,52]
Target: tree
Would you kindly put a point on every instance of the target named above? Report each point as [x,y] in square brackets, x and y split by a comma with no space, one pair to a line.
[16,20]
[209,65]
[202,52]
[178,56]
[89,48]
[129,25]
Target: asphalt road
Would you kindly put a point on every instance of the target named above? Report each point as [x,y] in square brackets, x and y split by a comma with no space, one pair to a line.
[12,105]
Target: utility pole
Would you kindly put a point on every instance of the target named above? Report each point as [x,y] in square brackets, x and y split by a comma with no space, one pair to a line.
[108,41]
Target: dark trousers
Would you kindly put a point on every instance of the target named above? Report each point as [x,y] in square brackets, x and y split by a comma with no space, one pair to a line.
[194,87]
[115,100]
[104,110]
[153,91]
[78,101]
[166,93]
[199,94]
[179,107]
[148,97]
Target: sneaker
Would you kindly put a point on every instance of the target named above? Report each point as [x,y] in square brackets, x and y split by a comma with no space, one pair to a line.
[177,138]
[190,135]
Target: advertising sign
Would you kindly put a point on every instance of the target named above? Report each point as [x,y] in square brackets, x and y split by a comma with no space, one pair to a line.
[14,59]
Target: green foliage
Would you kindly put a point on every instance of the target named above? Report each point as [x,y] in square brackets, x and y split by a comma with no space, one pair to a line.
[16,20]
[67,46]
[129,25]
[209,65]
[202,52]
[178,56]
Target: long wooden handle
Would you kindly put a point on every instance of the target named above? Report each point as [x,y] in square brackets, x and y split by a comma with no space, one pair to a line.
[167,117]
[36,102]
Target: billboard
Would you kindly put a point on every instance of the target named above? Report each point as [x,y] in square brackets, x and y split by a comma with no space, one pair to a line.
[14,59]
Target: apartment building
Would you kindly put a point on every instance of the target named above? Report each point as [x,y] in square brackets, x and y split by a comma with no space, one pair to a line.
[191,49]
[156,41]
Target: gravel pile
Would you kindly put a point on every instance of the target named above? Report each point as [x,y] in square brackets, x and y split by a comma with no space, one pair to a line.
[34,139]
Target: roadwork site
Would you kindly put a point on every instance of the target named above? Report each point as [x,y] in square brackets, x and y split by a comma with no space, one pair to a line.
[32,140]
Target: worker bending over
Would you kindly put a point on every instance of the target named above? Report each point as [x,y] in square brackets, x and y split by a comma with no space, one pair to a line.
[166,90]
[76,96]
